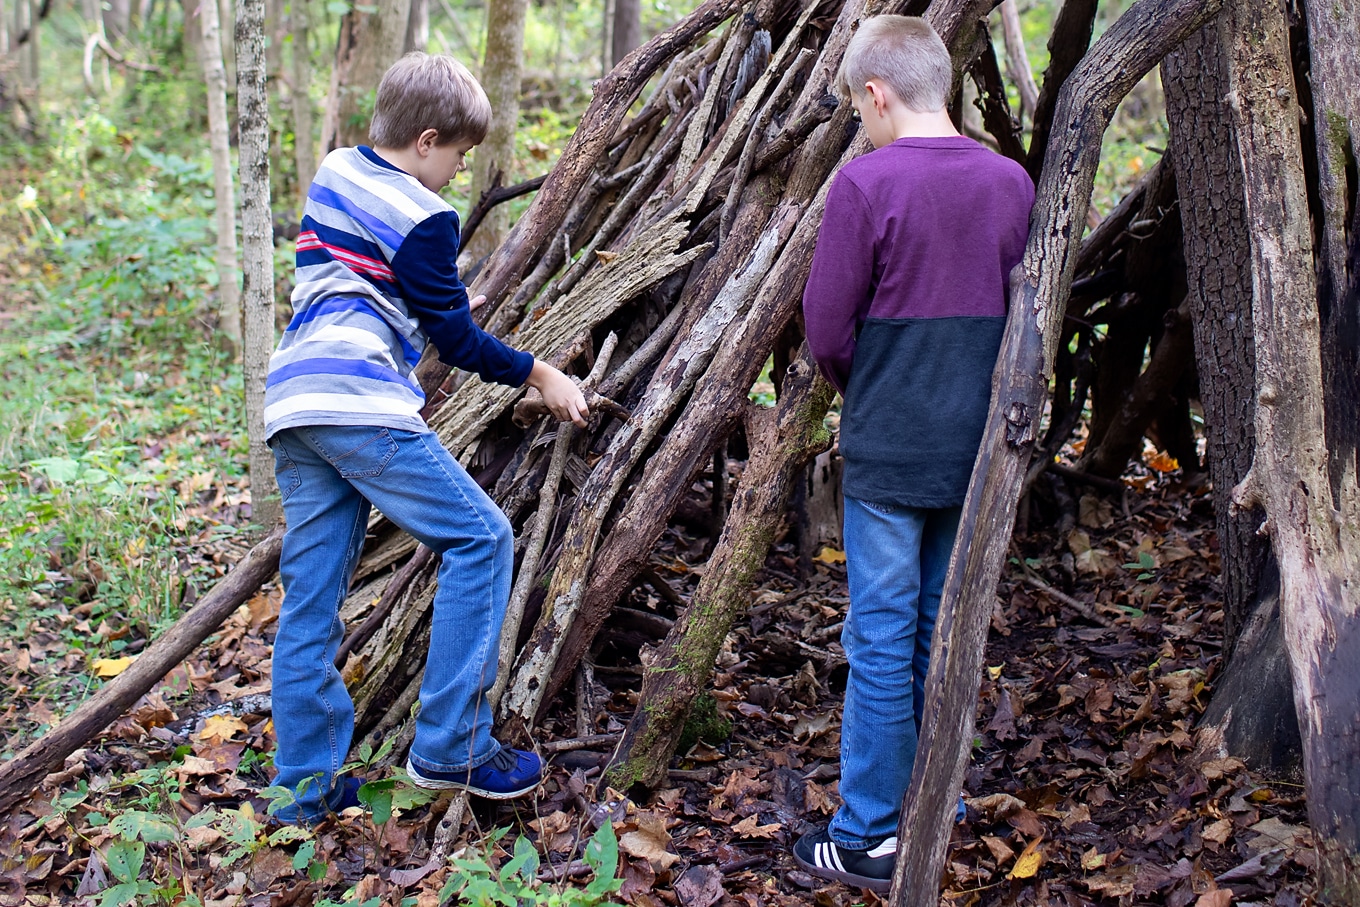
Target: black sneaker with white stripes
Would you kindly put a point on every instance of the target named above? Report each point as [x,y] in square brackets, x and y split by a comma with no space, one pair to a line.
[871,868]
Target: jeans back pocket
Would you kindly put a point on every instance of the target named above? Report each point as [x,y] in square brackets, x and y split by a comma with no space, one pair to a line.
[356,452]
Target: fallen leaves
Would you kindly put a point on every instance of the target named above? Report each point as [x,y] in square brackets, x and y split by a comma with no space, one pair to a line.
[105,668]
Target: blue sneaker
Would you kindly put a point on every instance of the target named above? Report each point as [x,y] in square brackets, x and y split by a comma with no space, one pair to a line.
[346,794]
[509,773]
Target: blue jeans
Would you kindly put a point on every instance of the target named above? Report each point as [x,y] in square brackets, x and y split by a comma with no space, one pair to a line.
[328,475]
[896,558]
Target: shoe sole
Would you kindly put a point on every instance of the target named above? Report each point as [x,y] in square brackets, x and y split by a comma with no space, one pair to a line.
[424,783]
[878,886]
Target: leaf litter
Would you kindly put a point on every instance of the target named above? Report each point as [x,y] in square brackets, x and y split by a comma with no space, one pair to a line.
[1085,785]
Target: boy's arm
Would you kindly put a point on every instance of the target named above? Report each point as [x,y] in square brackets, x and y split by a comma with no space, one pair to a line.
[840,284]
[427,271]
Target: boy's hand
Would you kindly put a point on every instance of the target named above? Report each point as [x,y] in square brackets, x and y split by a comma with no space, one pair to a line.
[560,394]
[476,303]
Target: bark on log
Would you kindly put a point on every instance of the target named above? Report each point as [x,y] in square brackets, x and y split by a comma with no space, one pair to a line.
[1315,529]
[20,775]
[1039,289]
[782,442]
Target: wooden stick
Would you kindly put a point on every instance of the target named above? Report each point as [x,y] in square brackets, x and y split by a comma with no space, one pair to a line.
[19,776]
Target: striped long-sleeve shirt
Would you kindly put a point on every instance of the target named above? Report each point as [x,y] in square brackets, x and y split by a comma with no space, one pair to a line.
[376,280]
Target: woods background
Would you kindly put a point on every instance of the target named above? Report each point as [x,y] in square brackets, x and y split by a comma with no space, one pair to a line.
[1185,322]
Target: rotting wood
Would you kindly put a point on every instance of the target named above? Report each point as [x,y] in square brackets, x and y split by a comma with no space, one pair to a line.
[782,442]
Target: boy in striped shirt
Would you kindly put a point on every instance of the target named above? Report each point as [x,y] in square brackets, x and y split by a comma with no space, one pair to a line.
[376,281]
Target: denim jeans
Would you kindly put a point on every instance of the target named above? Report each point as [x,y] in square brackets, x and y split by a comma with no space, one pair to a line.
[896,558]
[328,475]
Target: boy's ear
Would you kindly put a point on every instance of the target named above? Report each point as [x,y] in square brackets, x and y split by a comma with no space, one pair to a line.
[426,141]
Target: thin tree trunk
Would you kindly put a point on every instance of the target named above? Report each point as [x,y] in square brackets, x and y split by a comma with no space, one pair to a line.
[304,143]
[627,31]
[1315,533]
[368,43]
[1017,59]
[417,27]
[502,68]
[1071,36]
[1039,291]
[257,232]
[228,290]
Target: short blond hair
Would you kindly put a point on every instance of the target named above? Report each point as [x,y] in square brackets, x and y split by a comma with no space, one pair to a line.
[429,91]
[905,53]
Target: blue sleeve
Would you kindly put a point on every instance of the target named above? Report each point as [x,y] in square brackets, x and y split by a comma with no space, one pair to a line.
[426,269]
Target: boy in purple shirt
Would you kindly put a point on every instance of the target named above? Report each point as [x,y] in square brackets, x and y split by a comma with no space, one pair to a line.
[905,308]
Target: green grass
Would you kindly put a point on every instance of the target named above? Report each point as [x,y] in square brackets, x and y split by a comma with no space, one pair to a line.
[122,443]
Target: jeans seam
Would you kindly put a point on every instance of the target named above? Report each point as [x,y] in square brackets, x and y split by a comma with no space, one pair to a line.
[489,604]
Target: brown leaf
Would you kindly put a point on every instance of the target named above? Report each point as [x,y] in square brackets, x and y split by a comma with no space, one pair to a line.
[638,878]
[750,827]
[221,728]
[1219,897]
[1001,851]
[649,841]
[1003,722]
[94,879]
[1219,832]
[700,886]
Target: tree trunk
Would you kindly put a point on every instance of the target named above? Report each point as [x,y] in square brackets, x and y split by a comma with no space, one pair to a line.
[1071,36]
[304,143]
[502,68]
[782,441]
[368,43]
[257,232]
[1039,291]
[417,27]
[219,140]
[1251,712]
[1017,59]
[1315,529]
[627,31]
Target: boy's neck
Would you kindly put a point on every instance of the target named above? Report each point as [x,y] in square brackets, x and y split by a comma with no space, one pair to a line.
[909,124]
[404,159]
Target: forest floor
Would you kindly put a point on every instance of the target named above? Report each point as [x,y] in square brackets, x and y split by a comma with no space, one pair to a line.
[1085,787]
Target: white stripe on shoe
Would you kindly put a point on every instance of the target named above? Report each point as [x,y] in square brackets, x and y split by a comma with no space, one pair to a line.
[887,848]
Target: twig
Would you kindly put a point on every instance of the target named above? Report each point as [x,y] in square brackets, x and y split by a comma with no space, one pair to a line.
[1080,607]
[589,741]
[448,828]
[492,197]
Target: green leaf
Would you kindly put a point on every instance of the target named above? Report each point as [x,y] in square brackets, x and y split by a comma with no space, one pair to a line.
[120,894]
[147,826]
[304,855]
[523,863]
[602,853]
[124,859]
[287,835]
[377,796]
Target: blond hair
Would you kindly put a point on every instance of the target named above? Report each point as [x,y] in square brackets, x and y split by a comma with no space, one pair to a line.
[903,52]
[429,91]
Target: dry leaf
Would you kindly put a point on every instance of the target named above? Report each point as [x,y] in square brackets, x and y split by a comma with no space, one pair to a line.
[1092,860]
[750,827]
[1219,832]
[1028,864]
[222,728]
[110,667]
[1219,897]
[605,257]
[830,556]
[1001,851]
[649,841]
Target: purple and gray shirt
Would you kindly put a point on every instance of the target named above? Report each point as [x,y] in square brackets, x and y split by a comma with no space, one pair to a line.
[906,305]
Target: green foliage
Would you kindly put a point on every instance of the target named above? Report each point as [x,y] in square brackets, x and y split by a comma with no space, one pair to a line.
[478,883]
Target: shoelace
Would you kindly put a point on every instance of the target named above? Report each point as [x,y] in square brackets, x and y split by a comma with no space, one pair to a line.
[505,760]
